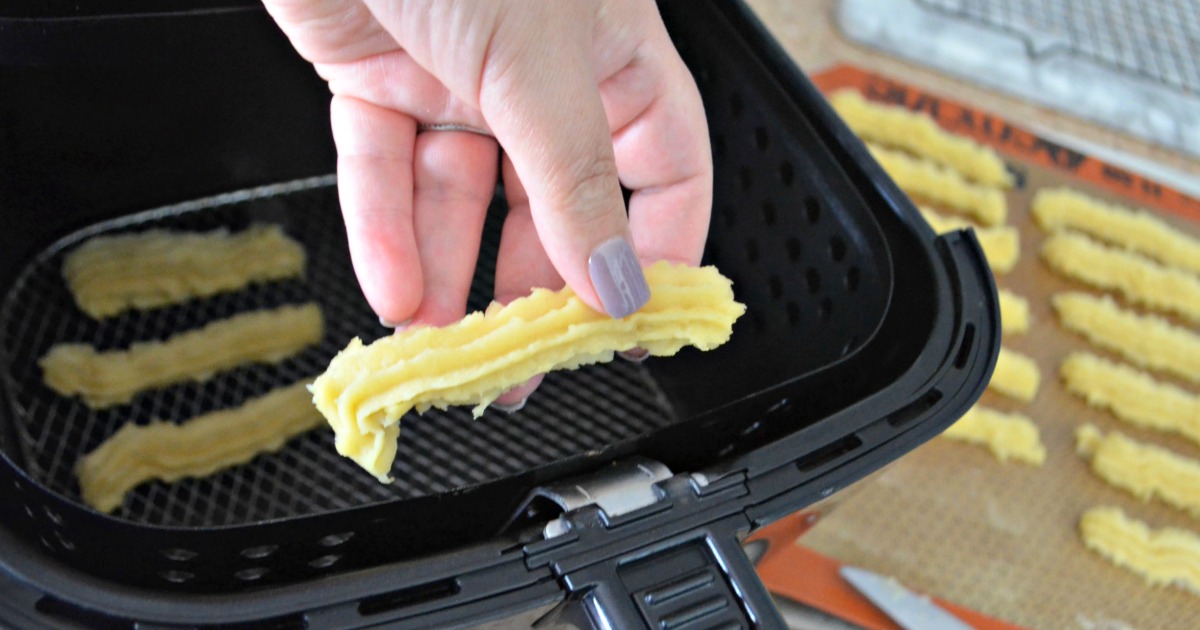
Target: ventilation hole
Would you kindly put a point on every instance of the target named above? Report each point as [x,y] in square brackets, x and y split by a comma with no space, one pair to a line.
[825,309]
[728,212]
[54,517]
[813,278]
[786,174]
[768,209]
[759,322]
[793,249]
[64,542]
[251,574]
[964,348]
[853,278]
[915,409]
[735,104]
[828,453]
[334,540]
[812,209]
[752,250]
[776,286]
[793,313]
[324,562]
[261,551]
[761,139]
[837,249]
[745,180]
[175,576]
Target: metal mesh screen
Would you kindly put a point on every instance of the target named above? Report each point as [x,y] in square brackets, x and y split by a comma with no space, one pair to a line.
[1158,40]
[573,413]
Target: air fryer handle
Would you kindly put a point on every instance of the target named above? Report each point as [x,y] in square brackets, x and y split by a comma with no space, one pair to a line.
[703,579]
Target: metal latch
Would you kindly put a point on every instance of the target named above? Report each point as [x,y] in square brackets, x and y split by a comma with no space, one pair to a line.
[621,488]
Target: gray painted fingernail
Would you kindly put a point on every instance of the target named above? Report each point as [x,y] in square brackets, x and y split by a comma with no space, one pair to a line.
[390,324]
[636,355]
[617,277]
[511,407]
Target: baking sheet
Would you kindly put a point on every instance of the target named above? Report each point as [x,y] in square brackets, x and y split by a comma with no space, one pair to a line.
[949,519]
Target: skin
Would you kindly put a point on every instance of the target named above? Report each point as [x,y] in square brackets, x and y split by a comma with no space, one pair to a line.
[571,99]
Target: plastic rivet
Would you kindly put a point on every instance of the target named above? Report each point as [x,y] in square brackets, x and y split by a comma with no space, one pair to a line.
[261,551]
[324,561]
[334,540]
[176,577]
[178,554]
[251,574]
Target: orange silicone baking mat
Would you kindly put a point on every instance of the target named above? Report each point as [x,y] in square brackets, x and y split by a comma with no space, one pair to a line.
[950,520]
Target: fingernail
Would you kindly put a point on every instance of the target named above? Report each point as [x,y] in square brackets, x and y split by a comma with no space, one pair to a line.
[511,407]
[635,355]
[390,324]
[617,277]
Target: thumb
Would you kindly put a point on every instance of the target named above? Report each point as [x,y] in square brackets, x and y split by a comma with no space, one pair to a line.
[544,107]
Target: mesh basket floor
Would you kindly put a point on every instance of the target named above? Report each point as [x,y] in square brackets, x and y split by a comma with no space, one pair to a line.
[573,413]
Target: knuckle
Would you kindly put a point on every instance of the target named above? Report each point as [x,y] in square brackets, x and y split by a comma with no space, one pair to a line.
[587,186]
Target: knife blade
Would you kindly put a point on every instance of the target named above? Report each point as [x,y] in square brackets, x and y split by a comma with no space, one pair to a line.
[908,609]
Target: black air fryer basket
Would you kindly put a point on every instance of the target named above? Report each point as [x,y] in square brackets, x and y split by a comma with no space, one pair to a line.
[621,491]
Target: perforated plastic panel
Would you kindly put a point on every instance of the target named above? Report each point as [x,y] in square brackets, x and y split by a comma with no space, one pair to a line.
[574,412]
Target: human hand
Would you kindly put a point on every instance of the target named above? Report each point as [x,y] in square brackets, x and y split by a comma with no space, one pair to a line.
[581,95]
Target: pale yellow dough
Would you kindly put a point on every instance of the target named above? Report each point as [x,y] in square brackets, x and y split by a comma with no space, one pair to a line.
[111,274]
[1136,278]
[1014,313]
[1167,556]
[1144,470]
[920,135]
[937,184]
[197,448]
[1016,375]
[367,389]
[1132,396]
[1144,340]
[1007,435]
[1062,208]
[104,379]
[1001,244]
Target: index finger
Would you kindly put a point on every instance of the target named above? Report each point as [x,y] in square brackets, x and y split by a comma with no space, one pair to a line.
[664,156]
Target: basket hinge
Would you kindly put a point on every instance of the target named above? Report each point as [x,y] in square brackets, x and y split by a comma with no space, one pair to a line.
[621,488]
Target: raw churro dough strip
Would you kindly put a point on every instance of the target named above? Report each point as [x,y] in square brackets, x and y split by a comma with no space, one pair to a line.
[1006,435]
[1144,340]
[197,448]
[938,184]
[111,274]
[1167,556]
[1016,375]
[920,135]
[104,379]
[1001,244]
[1132,396]
[1014,312]
[1143,470]
[367,389]
[1062,208]
[1136,278]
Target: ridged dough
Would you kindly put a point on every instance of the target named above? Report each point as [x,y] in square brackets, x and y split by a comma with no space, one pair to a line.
[1143,470]
[1016,375]
[935,183]
[1167,556]
[367,389]
[1132,396]
[1007,435]
[1001,244]
[111,274]
[104,379]
[1014,312]
[197,448]
[1062,208]
[920,135]
[1144,340]
[1136,278]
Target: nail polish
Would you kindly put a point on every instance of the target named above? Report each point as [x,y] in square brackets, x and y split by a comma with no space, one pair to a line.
[617,277]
